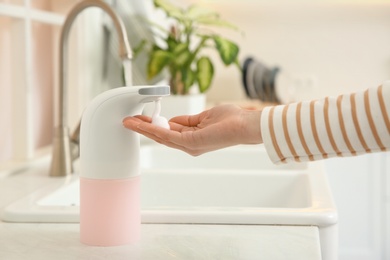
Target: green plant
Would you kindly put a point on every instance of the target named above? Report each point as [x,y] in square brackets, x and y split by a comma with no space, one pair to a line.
[184,42]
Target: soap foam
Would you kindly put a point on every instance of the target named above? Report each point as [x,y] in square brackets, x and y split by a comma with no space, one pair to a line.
[156,118]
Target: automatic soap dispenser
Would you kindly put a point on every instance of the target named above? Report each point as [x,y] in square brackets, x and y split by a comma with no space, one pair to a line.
[109,166]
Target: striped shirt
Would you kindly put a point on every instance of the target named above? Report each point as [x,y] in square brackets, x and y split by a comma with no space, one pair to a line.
[345,125]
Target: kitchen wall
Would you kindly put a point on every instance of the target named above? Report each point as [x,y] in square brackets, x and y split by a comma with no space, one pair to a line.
[43,82]
[343,45]
[5,90]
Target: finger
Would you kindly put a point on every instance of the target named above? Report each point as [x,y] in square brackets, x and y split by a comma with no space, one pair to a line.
[144,118]
[170,138]
[140,117]
[159,135]
[193,120]
[158,131]
[179,128]
[171,144]
[163,136]
[131,122]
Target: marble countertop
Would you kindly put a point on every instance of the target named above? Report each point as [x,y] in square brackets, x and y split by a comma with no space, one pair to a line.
[158,241]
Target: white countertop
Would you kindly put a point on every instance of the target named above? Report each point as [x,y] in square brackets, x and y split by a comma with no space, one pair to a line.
[158,241]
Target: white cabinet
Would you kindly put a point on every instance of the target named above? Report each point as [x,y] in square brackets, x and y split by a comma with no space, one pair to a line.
[360,187]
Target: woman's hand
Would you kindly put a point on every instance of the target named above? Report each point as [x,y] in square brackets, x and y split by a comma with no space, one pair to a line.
[213,129]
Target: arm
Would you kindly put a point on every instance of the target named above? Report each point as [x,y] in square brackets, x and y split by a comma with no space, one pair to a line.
[346,125]
[213,129]
[349,124]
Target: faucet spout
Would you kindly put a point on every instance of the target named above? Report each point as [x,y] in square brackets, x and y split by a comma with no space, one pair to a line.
[62,164]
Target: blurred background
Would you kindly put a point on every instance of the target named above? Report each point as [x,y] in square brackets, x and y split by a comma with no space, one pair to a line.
[327,47]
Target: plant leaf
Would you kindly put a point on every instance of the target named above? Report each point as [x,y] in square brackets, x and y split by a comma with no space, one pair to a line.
[227,50]
[179,48]
[182,54]
[188,78]
[157,61]
[171,42]
[205,73]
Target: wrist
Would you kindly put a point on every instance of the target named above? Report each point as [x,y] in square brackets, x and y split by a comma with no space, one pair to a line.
[252,127]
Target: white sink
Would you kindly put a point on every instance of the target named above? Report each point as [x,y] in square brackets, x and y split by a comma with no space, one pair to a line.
[238,185]
[181,197]
[245,157]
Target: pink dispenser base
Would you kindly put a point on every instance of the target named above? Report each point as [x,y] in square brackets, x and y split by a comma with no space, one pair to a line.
[110,211]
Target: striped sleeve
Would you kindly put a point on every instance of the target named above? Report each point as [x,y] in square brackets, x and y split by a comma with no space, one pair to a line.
[346,125]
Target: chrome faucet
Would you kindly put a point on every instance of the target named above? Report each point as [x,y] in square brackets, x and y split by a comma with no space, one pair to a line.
[62,162]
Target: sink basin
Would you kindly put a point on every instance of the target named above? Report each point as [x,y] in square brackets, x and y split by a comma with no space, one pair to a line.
[244,157]
[238,185]
[208,189]
[181,197]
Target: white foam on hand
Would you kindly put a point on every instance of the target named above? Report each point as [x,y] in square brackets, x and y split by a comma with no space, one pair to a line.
[157,119]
